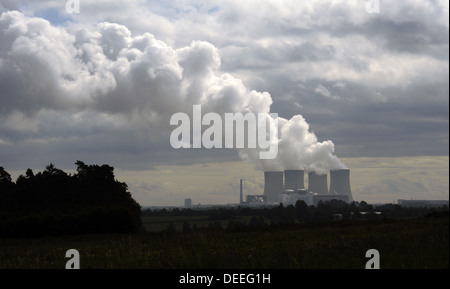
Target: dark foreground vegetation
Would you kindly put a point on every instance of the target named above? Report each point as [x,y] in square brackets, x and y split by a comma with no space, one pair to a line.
[402,243]
[53,202]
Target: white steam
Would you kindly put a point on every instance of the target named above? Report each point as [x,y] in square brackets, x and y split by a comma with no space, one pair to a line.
[298,148]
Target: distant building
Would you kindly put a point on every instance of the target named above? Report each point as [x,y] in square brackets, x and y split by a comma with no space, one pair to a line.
[256,200]
[187,203]
[290,197]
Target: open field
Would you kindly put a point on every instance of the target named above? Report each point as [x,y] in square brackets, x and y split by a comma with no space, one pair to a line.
[409,243]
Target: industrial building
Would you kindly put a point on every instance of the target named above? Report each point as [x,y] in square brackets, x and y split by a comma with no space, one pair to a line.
[293,188]
[255,200]
[290,197]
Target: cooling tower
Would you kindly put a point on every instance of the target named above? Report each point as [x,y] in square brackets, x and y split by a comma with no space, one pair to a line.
[273,185]
[340,183]
[293,180]
[317,183]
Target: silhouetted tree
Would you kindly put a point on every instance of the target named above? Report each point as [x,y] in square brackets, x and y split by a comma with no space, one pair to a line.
[301,210]
[6,184]
[53,202]
[5,177]
[323,212]
[364,207]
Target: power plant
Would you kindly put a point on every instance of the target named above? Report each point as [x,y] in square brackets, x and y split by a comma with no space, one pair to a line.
[294,187]
[287,187]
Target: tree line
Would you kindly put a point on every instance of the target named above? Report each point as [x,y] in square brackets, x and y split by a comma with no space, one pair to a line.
[53,202]
[333,210]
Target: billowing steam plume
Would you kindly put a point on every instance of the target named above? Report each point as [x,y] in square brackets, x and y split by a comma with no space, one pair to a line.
[139,79]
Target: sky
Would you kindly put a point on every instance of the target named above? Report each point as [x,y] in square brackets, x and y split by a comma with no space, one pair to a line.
[365,91]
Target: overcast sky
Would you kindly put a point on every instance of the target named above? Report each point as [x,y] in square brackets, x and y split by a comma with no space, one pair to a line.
[100,85]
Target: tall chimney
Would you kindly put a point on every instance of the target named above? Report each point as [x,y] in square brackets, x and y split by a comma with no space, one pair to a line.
[317,183]
[294,179]
[273,185]
[340,183]
[241,194]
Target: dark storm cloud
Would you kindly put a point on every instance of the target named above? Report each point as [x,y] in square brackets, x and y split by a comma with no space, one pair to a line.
[410,36]
[399,36]
[378,116]
[411,121]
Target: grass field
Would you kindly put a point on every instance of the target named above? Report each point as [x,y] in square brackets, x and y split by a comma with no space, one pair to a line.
[411,243]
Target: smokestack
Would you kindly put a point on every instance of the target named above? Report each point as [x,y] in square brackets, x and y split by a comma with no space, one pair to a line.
[293,180]
[273,185]
[340,183]
[317,183]
[241,194]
